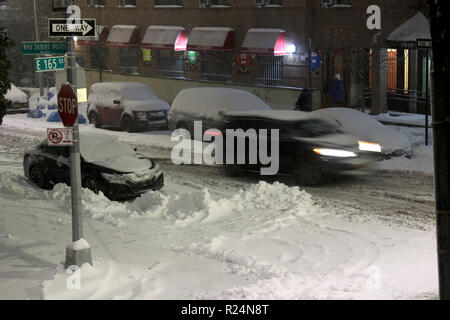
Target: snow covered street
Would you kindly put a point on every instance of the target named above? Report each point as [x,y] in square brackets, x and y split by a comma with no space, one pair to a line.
[209,236]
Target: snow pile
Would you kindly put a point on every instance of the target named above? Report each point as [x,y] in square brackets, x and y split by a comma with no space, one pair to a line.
[422,161]
[15,95]
[364,127]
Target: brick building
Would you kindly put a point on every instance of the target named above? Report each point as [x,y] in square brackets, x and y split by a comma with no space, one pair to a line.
[258,45]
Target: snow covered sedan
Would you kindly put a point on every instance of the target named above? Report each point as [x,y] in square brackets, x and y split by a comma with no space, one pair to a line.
[107,165]
[129,105]
[206,105]
[309,148]
[17,100]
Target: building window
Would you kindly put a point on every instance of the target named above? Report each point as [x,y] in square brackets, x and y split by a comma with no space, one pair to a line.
[61,5]
[129,60]
[97,3]
[217,66]
[392,70]
[336,4]
[220,3]
[99,57]
[127,3]
[170,63]
[269,3]
[270,70]
[176,3]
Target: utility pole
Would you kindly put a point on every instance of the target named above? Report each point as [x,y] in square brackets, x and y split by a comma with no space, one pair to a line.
[36,30]
[440,83]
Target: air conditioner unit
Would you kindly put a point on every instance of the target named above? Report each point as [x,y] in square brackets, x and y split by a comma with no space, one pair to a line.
[204,4]
[262,3]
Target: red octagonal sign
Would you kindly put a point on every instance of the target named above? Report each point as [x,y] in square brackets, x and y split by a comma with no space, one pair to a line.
[67,105]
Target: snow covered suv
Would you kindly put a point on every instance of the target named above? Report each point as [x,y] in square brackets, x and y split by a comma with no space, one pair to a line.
[130,105]
[17,100]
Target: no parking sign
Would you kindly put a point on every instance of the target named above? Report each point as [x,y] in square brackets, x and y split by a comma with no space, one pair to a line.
[60,137]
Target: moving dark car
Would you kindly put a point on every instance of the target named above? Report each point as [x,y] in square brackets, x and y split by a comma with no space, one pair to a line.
[308,147]
[107,165]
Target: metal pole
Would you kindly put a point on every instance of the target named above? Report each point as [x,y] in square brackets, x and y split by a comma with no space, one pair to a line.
[36,30]
[427,97]
[75,168]
[98,42]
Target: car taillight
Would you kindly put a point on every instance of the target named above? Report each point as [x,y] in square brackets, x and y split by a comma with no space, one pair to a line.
[170,114]
[213,133]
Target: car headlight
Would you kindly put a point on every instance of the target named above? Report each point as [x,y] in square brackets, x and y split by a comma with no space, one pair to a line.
[369,146]
[142,115]
[114,178]
[335,153]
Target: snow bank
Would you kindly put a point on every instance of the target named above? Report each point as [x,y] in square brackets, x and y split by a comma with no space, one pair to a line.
[422,162]
[364,127]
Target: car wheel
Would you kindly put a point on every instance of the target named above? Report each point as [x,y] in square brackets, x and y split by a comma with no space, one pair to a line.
[91,184]
[93,119]
[38,178]
[127,124]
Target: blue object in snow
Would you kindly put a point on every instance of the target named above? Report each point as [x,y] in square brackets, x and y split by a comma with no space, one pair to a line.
[52,107]
[54,117]
[337,90]
[35,114]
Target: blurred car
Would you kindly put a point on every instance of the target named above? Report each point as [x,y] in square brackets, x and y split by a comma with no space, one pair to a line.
[364,127]
[107,165]
[206,104]
[17,101]
[129,105]
[309,148]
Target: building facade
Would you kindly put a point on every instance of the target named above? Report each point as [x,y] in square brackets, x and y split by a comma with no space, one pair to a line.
[260,45]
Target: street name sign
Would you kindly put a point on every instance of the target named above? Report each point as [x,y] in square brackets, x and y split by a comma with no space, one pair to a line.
[49,64]
[424,43]
[67,105]
[44,47]
[58,28]
[60,137]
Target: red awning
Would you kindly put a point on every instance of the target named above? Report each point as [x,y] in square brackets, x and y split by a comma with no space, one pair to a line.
[165,38]
[123,36]
[102,33]
[265,41]
[210,38]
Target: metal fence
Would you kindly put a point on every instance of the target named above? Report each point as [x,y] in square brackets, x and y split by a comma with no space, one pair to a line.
[217,67]
[270,70]
[170,63]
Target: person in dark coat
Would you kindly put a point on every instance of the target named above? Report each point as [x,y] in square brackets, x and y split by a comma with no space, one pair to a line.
[304,101]
[337,90]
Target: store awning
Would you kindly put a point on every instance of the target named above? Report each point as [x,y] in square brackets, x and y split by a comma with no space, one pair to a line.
[102,33]
[165,38]
[265,41]
[123,36]
[210,38]
[417,27]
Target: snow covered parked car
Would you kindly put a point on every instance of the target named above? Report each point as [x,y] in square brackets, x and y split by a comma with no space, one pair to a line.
[107,165]
[206,105]
[365,127]
[17,100]
[130,105]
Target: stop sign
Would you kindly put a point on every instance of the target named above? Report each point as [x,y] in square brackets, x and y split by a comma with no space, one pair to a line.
[67,105]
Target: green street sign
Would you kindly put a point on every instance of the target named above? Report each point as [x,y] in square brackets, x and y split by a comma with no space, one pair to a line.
[43,47]
[49,64]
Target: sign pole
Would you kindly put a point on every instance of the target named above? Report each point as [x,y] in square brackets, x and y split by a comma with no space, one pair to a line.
[75,256]
[41,85]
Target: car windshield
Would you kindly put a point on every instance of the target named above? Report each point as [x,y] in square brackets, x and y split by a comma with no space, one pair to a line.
[104,149]
[140,93]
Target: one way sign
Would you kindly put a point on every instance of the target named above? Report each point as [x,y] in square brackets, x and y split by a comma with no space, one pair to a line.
[81,28]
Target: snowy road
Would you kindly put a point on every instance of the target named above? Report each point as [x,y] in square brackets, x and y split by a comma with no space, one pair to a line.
[206,235]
